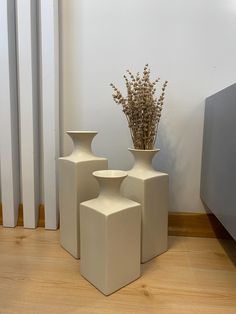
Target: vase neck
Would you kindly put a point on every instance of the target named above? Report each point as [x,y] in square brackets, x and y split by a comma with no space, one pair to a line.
[143,158]
[82,142]
[110,182]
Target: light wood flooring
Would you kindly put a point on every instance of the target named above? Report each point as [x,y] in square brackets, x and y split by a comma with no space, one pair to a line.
[196,275]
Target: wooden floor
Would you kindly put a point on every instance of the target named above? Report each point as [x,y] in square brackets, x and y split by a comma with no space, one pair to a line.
[196,275]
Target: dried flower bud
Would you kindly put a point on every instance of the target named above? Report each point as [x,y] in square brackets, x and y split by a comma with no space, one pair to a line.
[141,108]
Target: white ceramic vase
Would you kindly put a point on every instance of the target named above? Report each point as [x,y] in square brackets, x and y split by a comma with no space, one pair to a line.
[150,188]
[76,184]
[110,228]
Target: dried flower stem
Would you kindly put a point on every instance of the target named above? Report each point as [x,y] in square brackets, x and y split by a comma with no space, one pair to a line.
[141,108]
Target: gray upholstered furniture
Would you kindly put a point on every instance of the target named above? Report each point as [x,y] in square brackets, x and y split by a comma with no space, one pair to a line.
[218,178]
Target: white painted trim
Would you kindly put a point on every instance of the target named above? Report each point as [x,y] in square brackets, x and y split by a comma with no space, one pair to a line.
[28,105]
[50,107]
[9,151]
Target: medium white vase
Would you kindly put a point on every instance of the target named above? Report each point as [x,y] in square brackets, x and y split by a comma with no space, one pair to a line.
[110,228]
[76,184]
[150,188]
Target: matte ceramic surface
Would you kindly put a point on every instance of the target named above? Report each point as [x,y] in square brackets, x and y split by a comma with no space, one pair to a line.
[149,188]
[76,184]
[110,235]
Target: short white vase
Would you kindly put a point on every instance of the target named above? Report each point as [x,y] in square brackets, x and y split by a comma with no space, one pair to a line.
[110,228]
[76,184]
[150,188]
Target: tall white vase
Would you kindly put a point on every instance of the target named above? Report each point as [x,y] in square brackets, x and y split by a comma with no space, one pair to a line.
[149,188]
[110,228]
[76,184]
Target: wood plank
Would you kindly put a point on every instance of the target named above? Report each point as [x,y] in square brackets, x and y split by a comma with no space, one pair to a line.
[1,214]
[195,275]
[9,155]
[180,224]
[50,107]
[41,221]
[28,108]
[20,219]
[196,225]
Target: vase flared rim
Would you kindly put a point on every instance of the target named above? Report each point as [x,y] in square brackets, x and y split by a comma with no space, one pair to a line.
[143,150]
[81,132]
[110,174]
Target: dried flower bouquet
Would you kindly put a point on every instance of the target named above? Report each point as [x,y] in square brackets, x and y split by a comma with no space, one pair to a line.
[141,107]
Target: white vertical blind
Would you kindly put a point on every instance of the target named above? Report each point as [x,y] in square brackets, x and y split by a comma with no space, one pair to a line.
[50,107]
[8,115]
[28,105]
[29,110]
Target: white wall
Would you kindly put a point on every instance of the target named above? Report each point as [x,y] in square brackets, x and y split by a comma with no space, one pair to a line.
[189,42]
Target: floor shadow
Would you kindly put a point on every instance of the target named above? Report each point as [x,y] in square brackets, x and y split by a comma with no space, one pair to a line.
[229,246]
[226,240]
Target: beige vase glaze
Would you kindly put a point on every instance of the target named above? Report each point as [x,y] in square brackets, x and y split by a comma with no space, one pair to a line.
[149,188]
[77,184]
[110,228]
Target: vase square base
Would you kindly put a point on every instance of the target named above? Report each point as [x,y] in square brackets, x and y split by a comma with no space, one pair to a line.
[152,194]
[110,245]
